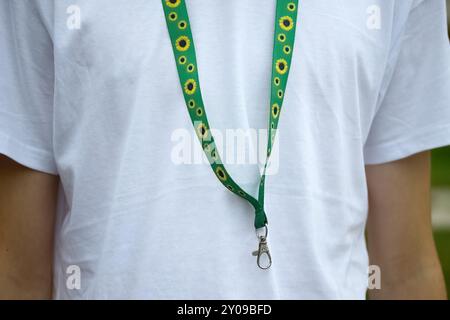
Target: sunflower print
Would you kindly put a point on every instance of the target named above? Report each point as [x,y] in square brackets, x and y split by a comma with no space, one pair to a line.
[182,25]
[190,67]
[286,23]
[173,3]
[173,16]
[281,66]
[202,131]
[209,148]
[220,172]
[190,86]
[210,152]
[281,37]
[280,93]
[182,60]
[214,155]
[275,110]
[182,43]
[276,81]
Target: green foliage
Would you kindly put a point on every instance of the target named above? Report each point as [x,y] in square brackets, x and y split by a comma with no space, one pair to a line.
[440,173]
[440,177]
[442,238]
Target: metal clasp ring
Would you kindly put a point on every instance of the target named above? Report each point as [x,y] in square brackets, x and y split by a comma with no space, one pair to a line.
[263,249]
[259,235]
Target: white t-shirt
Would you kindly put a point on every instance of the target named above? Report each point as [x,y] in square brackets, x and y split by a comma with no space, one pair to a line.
[89,91]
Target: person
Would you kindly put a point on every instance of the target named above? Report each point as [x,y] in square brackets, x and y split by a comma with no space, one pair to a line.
[100,197]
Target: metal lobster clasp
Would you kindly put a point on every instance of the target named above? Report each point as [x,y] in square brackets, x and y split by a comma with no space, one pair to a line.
[264,259]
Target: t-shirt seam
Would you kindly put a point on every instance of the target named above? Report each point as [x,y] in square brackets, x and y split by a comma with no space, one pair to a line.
[32,154]
[426,132]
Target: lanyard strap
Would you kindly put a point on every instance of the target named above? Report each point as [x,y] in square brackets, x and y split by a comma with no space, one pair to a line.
[178,25]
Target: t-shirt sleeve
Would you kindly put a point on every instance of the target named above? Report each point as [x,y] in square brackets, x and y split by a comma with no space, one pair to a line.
[413,112]
[26,86]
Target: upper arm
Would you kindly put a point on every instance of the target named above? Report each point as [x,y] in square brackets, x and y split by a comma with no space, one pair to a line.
[27,197]
[399,221]
[27,213]
[399,231]
[412,115]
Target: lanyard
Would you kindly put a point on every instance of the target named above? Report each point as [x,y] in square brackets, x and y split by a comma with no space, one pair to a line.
[178,24]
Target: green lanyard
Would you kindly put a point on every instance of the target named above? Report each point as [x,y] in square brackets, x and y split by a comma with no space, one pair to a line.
[178,24]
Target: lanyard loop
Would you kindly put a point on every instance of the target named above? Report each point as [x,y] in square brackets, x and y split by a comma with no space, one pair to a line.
[178,25]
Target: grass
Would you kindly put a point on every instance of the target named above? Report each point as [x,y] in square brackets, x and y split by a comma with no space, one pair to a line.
[440,177]
[442,238]
[440,164]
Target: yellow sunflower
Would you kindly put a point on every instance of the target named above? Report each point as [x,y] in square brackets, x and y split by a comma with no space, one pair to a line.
[190,86]
[182,25]
[182,60]
[276,81]
[173,16]
[281,66]
[199,112]
[286,23]
[214,155]
[190,67]
[275,110]
[280,93]
[210,152]
[191,103]
[173,3]
[207,149]
[221,174]
[182,43]
[291,6]
[281,37]
[202,131]
[287,49]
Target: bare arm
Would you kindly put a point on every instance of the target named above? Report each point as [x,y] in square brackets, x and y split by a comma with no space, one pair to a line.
[399,232]
[27,211]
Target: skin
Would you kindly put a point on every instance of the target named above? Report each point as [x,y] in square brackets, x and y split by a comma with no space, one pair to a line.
[27,213]
[399,231]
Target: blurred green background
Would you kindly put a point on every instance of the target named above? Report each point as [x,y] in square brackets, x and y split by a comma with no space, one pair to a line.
[441,184]
[440,179]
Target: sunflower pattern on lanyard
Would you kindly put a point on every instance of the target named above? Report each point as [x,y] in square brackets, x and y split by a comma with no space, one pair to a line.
[173,3]
[178,24]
